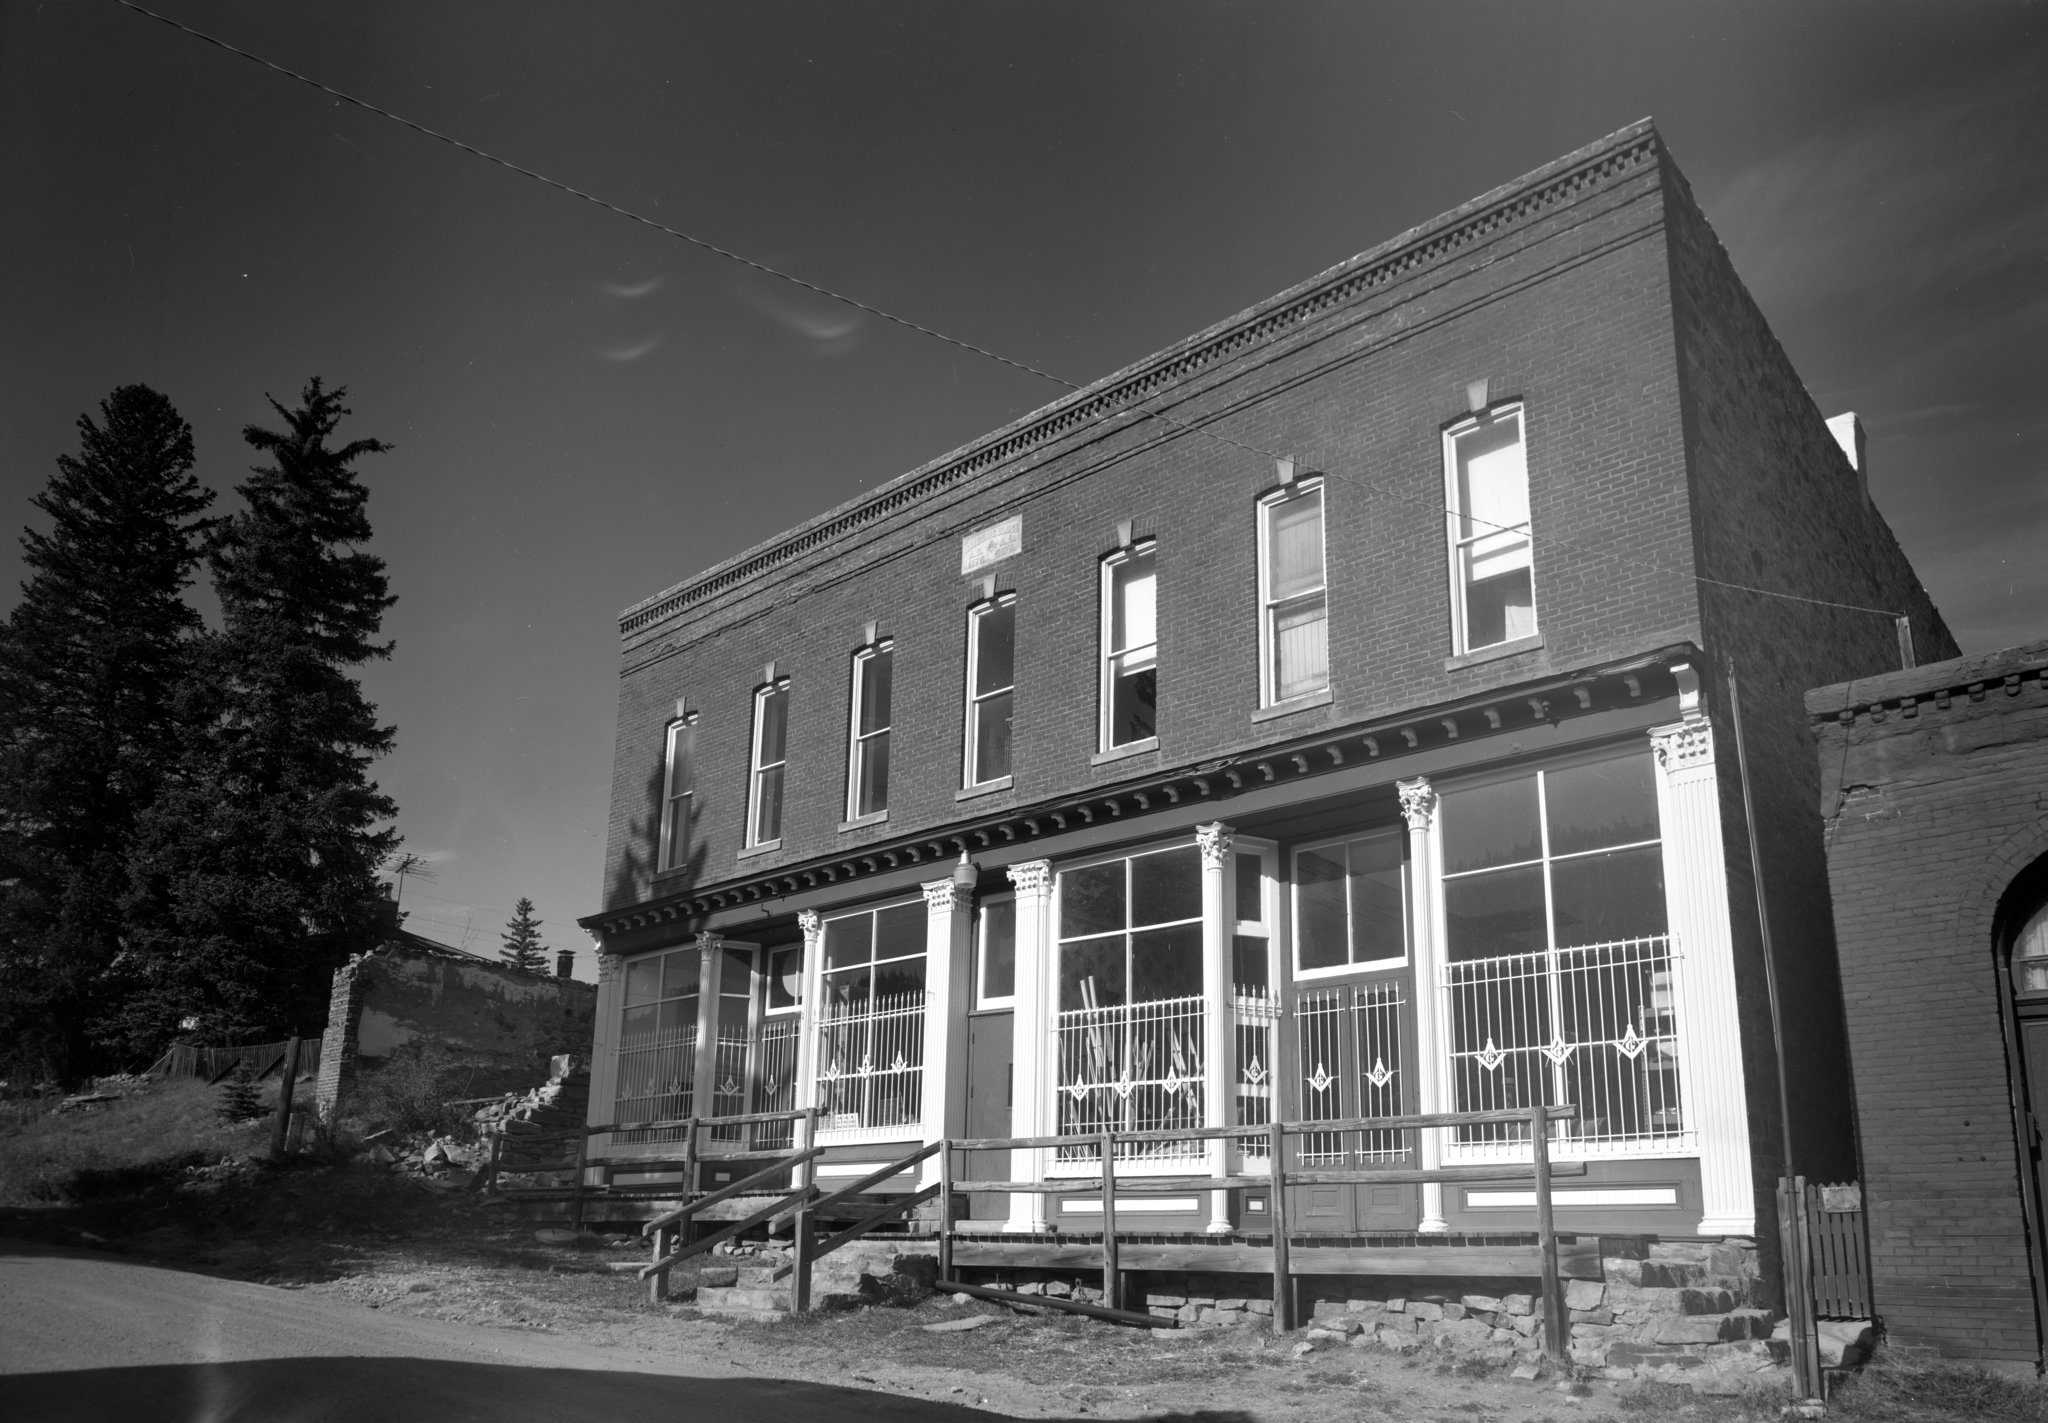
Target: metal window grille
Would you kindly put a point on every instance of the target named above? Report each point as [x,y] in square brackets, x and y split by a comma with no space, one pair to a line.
[729,1080]
[1350,1044]
[1132,1067]
[657,1074]
[1594,1027]
[775,1082]
[1257,1017]
[871,1062]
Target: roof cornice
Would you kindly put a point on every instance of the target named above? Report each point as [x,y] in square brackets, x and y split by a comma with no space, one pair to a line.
[1506,206]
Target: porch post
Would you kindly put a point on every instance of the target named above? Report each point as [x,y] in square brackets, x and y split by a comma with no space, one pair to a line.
[1712,1094]
[604,1046]
[1031,1085]
[808,1012]
[949,910]
[1219,917]
[1425,944]
[706,1069]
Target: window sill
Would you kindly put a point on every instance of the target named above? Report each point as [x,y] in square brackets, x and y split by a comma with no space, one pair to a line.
[1001,783]
[1295,704]
[862,822]
[1351,970]
[766,847]
[1120,753]
[1531,643]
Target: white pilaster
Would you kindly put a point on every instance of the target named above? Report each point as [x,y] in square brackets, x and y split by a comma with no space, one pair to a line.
[809,1014]
[1712,1093]
[703,1092]
[1425,953]
[947,902]
[1219,920]
[604,1047]
[1030,1108]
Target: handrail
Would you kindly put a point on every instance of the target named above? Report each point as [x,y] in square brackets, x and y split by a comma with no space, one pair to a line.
[1300,1128]
[746,1119]
[726,1193]
[894,1168]
[697,1247]
[1392,1176]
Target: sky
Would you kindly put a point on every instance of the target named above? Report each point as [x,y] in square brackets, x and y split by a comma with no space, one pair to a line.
[586,410]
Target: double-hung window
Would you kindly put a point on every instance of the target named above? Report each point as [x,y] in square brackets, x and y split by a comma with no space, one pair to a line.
[867,771]
[1486,486]
[764,780]
[678,792]
[991,688]
[1130,648]
[1294,624]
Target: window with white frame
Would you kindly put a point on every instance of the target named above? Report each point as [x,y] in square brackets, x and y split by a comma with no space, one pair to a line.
[1486,486]
[678,792]
[1131,1007]
[2030,954]
[991,688]
[867,771]
[995,953]
[1130,648]
[871,1019]
[1294,624]
[1562,981]
[764,781]
[657,1053]
[1255,1000]
[1351,903]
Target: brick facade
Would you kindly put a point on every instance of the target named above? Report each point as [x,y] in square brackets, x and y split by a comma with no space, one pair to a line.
[1934,789]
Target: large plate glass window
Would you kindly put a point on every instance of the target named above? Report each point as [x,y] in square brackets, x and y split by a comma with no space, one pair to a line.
[991,687]
[867,774]
[771,743]
[679,792]
[1562,981]
[1351,903]
[1130,648]
[871,1022]
[657,1059]
[1294,632]
[1486,477]
[995,953]
[1129,1023]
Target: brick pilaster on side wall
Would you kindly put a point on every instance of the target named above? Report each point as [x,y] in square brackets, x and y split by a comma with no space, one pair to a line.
[338,1041]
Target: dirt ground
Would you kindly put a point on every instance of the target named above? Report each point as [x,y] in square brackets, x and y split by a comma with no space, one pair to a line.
[363,1234]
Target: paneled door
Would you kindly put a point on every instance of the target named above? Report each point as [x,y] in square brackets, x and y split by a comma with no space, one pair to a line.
[1351,1049]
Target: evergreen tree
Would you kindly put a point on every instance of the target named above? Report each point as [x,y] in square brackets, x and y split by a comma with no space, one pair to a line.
[254,873]
[522,945]
[89,660]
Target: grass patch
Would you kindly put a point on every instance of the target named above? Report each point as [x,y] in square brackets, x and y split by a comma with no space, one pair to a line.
[55,1158]
[1891,1390]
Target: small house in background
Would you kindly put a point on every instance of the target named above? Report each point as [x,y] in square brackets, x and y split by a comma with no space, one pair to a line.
[494,1026]
[1934,792]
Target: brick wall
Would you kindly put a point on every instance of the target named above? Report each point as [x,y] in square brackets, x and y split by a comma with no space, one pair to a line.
[1933,811]
[1566,308]
[338,1042]
[1776,505]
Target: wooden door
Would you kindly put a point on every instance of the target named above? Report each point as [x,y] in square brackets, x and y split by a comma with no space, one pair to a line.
[990,1092]
[1350,1044]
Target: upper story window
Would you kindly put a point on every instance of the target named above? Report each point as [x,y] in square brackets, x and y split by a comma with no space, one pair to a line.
[1351,903]
[991,687]
[2030,954]
[678,792]
[1486,486]
[867,772]
[1130,648]
[764,782]
[1294,624]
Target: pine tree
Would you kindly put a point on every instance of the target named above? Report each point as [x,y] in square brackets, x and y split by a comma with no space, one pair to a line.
[89,660]
[523,948]
[254,877]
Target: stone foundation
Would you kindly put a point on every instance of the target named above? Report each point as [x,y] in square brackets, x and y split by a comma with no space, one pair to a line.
[1689,1311]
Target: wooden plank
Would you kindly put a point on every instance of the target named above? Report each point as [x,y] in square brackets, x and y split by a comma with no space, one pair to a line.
[1111,1295]
[1276,1204]
[1072,1306]
[1576,1260]
[738,1187]
[1168,1185]
[1556,1327]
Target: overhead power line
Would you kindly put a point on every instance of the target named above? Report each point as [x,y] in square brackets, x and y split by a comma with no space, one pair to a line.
[1381,485]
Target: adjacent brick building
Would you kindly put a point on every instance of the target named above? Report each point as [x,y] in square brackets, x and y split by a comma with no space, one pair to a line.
[1373,639]
[1934,791]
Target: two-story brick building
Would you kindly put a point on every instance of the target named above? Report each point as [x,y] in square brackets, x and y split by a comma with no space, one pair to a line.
[1323,715]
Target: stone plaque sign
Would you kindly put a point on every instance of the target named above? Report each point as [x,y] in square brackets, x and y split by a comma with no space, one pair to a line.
[987,547]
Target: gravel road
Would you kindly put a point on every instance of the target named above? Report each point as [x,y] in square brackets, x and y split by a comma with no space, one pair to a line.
[96,1337]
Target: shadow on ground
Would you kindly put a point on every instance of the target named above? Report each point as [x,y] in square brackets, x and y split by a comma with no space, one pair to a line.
[369,1390]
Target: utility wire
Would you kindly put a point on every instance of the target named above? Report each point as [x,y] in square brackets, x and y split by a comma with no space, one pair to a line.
[1381,485]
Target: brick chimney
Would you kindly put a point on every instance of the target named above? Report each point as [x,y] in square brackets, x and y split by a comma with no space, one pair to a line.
[565,962]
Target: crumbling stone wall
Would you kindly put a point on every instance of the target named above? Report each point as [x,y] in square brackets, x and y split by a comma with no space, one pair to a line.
[338,1043]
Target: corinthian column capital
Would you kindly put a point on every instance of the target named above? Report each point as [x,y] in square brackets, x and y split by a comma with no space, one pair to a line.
[1215,840]
[1032,877]
[1418,802]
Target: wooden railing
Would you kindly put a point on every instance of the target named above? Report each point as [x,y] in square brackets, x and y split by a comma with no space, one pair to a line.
[1539,1168]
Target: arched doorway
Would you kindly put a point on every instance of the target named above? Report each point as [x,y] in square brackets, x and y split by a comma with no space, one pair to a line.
[2021,932]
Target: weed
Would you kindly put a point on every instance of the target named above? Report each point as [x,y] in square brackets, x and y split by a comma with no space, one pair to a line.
[147,1136]
[1890,1388]
[408,1091]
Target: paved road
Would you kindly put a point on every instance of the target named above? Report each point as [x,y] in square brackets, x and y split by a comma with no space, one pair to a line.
[99,1338]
